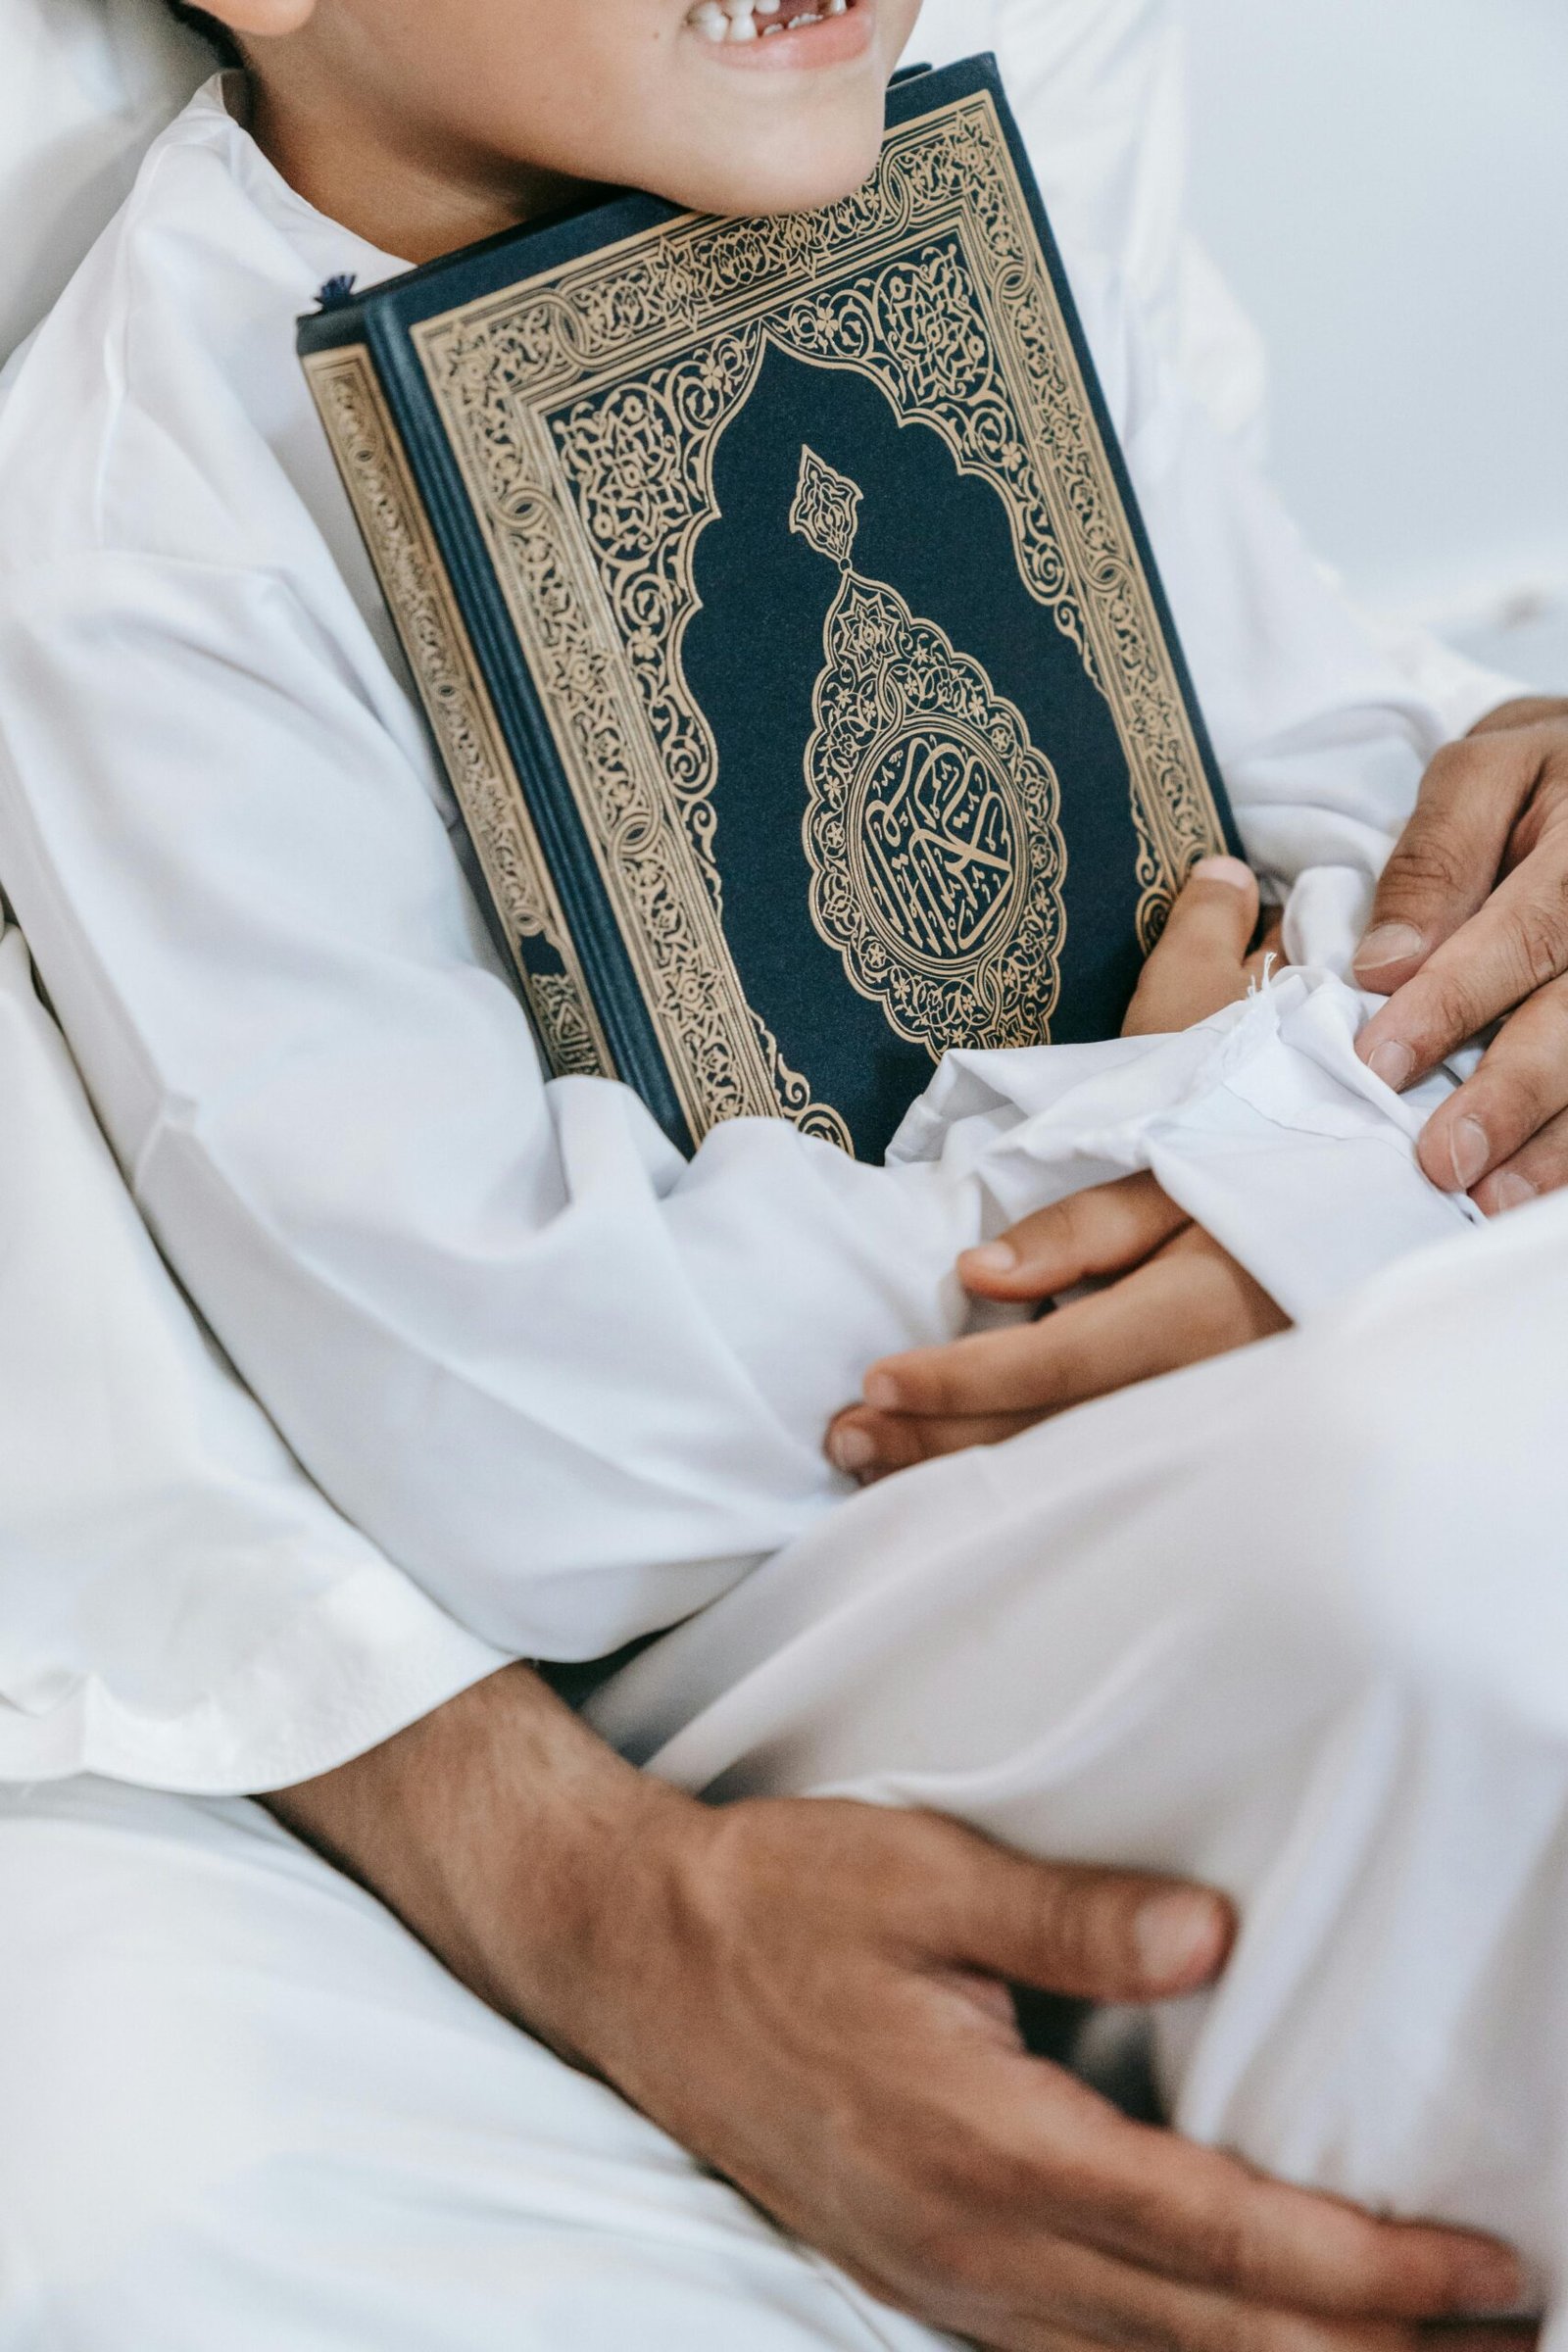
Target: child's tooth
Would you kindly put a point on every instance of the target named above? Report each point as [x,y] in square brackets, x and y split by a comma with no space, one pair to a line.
[738,19]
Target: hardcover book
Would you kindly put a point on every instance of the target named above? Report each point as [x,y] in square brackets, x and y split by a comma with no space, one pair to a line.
[783,615]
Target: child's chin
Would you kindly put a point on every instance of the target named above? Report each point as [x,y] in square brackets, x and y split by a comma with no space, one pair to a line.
[751,183]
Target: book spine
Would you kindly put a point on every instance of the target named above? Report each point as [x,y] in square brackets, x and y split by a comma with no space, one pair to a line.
[540,791]
[516,875]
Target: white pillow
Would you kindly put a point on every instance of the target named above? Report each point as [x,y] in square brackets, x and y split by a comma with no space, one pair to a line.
[85,85]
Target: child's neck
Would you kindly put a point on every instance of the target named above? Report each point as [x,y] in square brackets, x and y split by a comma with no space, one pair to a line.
[380,179]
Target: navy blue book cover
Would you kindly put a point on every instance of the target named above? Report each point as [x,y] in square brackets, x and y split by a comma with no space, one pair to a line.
[780,605]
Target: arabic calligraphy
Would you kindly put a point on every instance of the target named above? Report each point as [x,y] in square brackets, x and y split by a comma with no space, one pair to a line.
[939,840]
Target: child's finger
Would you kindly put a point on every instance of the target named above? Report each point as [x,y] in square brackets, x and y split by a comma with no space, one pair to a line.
[1198,965]
[1189,1301]
[1104,1229]
[868,1445]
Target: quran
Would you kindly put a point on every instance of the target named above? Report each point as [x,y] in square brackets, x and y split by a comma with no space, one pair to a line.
[781,611]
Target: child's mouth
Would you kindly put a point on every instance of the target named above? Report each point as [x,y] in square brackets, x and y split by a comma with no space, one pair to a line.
[740,20]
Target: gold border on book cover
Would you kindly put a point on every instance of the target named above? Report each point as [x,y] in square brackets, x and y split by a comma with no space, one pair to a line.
[457,702]
[585,410]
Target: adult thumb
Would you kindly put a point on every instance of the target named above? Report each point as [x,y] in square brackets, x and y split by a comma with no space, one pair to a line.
[1096,1934]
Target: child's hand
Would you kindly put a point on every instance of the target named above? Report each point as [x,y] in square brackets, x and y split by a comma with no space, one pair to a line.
[1175,1297]
[1202,963]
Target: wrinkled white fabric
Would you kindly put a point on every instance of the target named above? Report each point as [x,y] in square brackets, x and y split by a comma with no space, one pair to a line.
[1261,1123]
[86,86]
[1295,1621]
[176,1605]
[1100,91]
[573,1386]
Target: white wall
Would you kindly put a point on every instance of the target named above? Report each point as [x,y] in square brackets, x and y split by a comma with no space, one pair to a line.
[1386,183]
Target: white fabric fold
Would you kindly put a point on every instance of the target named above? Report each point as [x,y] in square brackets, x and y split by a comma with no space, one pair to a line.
[177,1606]
[1261,1123]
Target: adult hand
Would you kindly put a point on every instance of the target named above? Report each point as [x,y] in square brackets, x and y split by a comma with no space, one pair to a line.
[1175,1296]
[812,1999]
[1471,925]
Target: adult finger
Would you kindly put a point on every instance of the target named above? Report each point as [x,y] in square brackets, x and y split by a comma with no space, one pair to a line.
[1540,1167]
[1130,2306]
[1207,2216]
[1103,1230]
[1196,967]
[1519,1087]
[1517,945]
[1450,855]
[1087,1933]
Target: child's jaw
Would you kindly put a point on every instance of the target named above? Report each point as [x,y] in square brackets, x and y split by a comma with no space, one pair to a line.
[425,125]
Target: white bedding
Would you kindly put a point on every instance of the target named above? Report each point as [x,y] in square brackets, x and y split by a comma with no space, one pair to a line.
[86,86]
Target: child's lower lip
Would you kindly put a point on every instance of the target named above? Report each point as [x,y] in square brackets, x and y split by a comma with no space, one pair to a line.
[824,40]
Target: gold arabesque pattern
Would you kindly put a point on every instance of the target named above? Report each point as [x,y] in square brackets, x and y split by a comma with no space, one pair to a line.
[455,699]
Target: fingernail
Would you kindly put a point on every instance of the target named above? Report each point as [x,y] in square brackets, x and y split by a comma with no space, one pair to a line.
[1393,1062]
[991,1257]
[1510,1190]
[851,1452]
[1469,1153]
[1173,1932]
[1491,2280]
[1224,869]
[881,1393]
[1389,942]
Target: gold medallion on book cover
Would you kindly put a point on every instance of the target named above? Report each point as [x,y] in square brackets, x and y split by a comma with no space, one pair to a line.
[932,824]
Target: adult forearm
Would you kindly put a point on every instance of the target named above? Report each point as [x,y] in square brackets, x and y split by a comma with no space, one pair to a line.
[495,1828]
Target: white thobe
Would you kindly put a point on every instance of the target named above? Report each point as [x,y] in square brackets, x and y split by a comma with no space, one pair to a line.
[570,1384]
[1294,1621]
[87,86]
[1231,1624]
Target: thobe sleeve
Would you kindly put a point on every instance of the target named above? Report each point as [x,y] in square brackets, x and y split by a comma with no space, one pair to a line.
[176,1607]
[570,1382]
